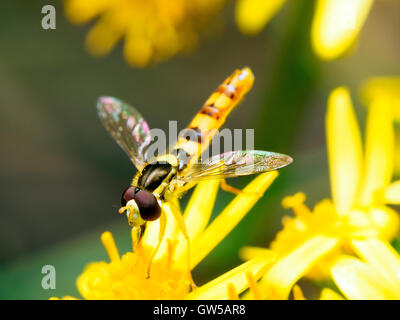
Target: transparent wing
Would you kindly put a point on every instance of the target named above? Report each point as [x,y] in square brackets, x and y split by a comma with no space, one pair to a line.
[127,127]
[235,163]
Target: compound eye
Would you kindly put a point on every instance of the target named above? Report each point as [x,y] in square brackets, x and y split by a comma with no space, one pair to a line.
[128,194]
[147,203]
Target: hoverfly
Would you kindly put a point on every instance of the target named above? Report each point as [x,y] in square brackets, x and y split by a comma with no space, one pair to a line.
[168,176]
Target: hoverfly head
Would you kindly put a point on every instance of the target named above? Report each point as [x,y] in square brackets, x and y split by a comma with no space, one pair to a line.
[140,206]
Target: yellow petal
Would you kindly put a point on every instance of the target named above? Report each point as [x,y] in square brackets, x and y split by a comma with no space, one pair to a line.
[392,193]
[63,298]
[380,255]
[217,288]
[249,252]
[359,281]
[382,88]
[385,221]
[280,278]
[298,293]
[198,211]
[81,11]
[252,15]
[379,151]
[397,147]
[138,49]
[230,216]
[102,38]
[344,149]
[336,25]
[150,237]
[329,294]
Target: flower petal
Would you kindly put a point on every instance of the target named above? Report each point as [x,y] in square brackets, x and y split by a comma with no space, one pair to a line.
[329,294]
[360,281]
[198,211]
[298,293]
[81,11]
[382,87]
[336,25]
[344,149]
[280,278]
[150,237]
[63,298]
[392,193]
[381,255]
[379,151]
[138,50]
[252,15]
[103,37]
[249,252]
[385,221]
[230,217]
[217,288]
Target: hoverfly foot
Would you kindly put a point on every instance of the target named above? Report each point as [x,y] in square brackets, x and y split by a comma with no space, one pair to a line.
[228,188]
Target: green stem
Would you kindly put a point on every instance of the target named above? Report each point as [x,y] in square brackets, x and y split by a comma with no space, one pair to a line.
[293,79]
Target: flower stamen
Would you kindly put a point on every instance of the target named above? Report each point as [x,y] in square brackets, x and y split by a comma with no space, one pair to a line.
[254,288]
[109,244]
[298,293]
[296,203]
[231,292]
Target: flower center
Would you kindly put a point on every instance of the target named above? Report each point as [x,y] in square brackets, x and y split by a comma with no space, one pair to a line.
[126,277]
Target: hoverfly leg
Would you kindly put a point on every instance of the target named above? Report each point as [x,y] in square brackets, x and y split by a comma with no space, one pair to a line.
[137,235]
[181,224]
[228,188]
[163,223]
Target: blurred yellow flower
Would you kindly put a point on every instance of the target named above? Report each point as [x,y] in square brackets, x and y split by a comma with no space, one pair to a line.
[382,88]
[154,30]
[126,277]
[376,276]
[312,241]
[335,27]
[261,291]
[386,90]
[252,15]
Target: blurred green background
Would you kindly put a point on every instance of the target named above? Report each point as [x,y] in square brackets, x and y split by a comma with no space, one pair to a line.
[62,175]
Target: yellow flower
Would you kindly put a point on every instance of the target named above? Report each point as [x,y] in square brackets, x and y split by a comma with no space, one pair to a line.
[312,241]
[336,23]
[252,15]
[261,290]
[154,30]
[377,276]
[126,277]
[385,90]
[382,88]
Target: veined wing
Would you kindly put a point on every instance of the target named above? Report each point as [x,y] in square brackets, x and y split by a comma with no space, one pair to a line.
[235,163]
[127,127]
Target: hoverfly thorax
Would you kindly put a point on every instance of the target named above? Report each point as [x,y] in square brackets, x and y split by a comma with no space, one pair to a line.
[154,174]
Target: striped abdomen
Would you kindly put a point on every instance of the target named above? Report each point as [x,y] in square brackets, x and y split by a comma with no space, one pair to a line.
[212,115]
